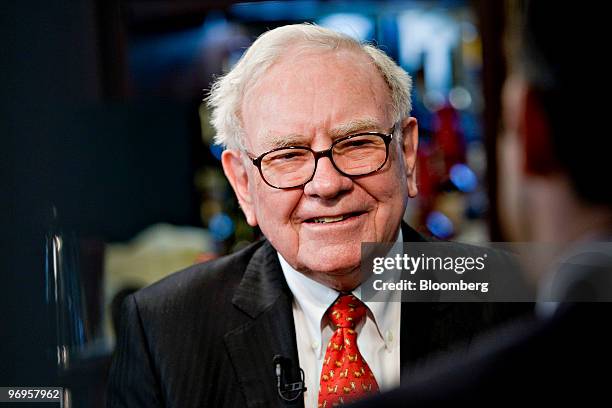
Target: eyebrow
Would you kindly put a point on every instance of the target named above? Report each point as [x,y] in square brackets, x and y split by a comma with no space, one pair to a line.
[293,139]
[344,129]
[355,126]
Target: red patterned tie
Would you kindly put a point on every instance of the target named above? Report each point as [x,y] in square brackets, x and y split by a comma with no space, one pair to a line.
[345,375]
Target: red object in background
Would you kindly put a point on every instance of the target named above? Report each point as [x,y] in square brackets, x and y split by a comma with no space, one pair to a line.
[436,156]
[448,137]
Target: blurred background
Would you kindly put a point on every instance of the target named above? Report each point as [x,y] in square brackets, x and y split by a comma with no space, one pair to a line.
[110,180]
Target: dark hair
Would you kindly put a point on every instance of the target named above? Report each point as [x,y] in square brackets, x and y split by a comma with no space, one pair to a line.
[559,57]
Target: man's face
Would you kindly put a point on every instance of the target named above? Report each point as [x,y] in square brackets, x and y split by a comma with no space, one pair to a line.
[311,99]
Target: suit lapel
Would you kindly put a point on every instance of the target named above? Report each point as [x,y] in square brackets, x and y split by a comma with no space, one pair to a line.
[263,295]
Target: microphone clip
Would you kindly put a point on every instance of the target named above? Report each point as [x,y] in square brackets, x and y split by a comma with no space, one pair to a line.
[288,392]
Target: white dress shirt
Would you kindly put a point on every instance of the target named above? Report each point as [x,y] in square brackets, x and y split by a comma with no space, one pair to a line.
[378,334]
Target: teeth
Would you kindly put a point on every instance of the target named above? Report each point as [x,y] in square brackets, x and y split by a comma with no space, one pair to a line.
[328,219]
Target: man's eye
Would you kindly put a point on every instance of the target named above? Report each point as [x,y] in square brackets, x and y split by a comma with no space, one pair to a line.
[288,156]
[357,143]
[285,156]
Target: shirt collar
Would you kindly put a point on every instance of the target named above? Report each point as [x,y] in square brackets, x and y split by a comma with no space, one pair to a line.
[385,309]
[315,298]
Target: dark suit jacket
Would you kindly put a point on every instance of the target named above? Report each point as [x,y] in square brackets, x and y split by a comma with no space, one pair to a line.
[557,362]
[206,336]
[554,360]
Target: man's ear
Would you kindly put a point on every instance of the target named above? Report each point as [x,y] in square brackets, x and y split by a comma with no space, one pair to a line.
[534,130]
[236,173]
[409,144]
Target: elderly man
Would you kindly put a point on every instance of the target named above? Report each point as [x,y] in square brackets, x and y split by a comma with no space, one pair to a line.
[321,154]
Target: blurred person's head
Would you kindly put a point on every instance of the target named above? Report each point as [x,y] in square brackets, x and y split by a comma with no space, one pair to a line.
[554,163]
[303,87]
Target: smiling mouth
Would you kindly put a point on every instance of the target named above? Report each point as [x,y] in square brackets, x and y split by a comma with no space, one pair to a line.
[331,220]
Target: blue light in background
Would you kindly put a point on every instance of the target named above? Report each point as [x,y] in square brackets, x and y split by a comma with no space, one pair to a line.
[463,177]
[216,150]
[276,10]
[439,225]
[427,38]
[357,26]
[221,226]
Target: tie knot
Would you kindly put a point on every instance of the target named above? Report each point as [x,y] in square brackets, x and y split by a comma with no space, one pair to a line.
[346,311]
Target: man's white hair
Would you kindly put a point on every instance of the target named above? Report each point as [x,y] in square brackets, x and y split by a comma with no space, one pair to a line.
[225,98]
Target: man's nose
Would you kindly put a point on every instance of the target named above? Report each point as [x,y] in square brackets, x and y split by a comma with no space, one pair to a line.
[327,182]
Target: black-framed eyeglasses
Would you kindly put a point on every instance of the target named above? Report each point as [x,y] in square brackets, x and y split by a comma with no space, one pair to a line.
[354,155]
